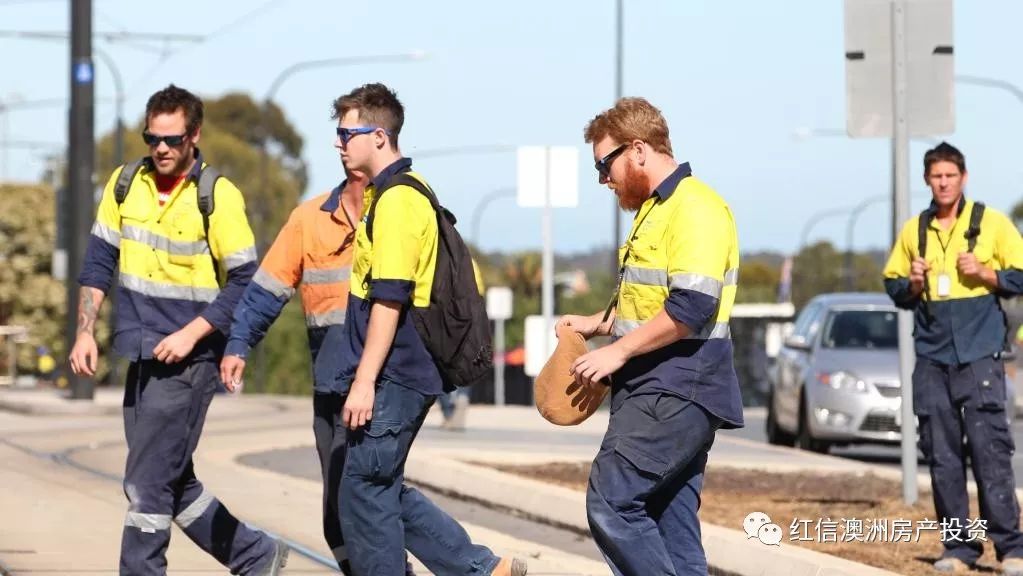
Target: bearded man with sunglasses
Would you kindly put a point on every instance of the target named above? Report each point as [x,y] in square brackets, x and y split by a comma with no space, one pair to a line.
[670,368]
[181,276]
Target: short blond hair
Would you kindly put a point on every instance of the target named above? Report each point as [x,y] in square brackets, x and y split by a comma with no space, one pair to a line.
[631,119]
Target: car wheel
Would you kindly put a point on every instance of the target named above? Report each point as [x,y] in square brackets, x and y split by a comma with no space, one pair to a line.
[804,439]
[775,435]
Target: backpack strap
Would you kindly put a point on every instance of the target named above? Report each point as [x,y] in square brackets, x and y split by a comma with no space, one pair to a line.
[403,179]
[208,177]
[125,178]
[926,217]
[976,215]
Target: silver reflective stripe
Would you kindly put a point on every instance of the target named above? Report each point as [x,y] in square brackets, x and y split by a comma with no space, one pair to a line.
[328,276]
[195,510]
[107,234]
[148,522]
[645,276]
[623,327]
[732,277]
[241,257]
[712,331]
[332,318]
[272,285]
[154,240]
[158,290]
[696,283]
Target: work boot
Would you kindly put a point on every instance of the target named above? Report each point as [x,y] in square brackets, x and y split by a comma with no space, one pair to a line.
[278,560]
[951,565]
[510,567]
[1012,567]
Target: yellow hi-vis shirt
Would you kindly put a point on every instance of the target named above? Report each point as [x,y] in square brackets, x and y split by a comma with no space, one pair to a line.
[682,256]
[167,276]
[967,323]
[397,265]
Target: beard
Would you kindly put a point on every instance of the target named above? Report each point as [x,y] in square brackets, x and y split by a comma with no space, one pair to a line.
[180,165]
[634,189]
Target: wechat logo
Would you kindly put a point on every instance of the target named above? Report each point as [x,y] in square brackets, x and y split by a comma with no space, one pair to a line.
[758,525]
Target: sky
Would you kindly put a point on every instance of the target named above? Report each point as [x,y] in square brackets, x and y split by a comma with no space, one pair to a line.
[737,80]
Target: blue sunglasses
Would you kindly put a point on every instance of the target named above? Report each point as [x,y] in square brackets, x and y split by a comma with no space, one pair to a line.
[346,134]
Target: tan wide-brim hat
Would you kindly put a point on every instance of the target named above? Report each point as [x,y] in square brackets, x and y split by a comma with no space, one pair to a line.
[557,395]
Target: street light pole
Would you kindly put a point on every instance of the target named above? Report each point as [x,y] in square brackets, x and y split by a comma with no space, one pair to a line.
[814,220]
[477,213]
[619,90]
[850,227]
[115,74]
[1009,87]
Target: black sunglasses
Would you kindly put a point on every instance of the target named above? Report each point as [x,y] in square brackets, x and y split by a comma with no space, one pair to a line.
[603,165]
[154,140]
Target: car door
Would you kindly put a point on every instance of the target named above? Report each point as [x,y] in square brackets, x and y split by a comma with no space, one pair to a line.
[792,361]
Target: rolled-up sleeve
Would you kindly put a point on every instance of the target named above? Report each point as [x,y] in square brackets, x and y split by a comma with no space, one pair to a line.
[400,223]
[698,246]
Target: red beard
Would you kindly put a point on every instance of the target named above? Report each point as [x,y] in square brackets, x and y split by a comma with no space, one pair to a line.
[634,190]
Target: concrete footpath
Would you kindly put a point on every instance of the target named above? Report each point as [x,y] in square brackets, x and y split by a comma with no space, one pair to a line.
[62,505]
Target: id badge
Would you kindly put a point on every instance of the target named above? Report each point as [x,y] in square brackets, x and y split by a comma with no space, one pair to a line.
[944,285]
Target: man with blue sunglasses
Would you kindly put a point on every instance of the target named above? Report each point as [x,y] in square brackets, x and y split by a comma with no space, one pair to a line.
[388,378]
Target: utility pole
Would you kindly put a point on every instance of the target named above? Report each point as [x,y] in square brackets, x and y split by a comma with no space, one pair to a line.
[619,42]
[81,156]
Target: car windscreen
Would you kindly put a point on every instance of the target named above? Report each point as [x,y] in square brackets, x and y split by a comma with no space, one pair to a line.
[867,329]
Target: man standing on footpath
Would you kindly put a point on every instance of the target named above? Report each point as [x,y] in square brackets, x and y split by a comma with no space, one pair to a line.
[670,362]
[173,246]
[949,266]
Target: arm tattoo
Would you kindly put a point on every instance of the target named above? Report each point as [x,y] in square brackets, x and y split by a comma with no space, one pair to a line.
[87,312]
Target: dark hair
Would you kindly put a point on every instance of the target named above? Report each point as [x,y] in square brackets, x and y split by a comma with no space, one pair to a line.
[944,152]
[170,100]
[377,105]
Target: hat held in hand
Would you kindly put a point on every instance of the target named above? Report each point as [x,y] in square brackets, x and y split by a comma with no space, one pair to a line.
[559,398]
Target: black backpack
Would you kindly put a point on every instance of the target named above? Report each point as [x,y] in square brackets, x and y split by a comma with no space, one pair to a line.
[454,326]
[208,177]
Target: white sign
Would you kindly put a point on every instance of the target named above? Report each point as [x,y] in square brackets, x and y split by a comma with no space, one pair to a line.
[540,342]
[930,69]
[499,303]
[544,170]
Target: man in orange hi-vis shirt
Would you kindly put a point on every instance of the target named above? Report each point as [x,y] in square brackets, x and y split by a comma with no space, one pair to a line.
[313,253]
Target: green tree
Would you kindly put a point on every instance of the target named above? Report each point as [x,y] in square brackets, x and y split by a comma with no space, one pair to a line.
[758,282]
[29,295]
[819,269]
[1017,214]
